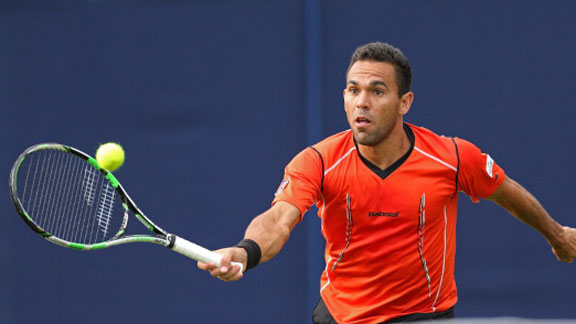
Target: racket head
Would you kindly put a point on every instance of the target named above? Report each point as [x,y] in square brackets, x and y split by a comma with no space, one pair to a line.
[62,194]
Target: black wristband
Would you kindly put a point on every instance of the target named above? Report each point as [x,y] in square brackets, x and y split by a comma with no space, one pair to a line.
[252,250]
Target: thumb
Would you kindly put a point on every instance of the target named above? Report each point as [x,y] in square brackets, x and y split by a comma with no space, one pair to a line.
[225,262]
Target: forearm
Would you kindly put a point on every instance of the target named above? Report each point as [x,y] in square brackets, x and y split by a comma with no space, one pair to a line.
[271,229]
[269,236]
[524,206]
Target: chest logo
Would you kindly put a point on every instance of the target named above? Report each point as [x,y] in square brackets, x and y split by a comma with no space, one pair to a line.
[383,214]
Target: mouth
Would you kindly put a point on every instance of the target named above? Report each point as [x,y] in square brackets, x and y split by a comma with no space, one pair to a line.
[362,121]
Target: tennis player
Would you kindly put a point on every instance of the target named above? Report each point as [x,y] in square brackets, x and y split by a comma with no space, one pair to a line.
[387,194]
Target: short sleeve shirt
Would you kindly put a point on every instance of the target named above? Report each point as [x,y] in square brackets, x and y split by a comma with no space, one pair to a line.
[390,236]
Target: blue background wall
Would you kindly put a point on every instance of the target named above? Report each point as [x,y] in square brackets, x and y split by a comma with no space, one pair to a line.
[212,98]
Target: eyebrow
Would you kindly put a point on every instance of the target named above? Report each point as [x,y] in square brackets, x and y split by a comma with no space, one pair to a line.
[372,84]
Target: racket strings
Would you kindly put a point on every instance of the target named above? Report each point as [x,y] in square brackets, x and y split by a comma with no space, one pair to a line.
[68,197]
[89,189]
[105,208]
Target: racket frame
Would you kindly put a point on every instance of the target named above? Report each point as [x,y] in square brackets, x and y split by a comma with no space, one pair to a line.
[161,237]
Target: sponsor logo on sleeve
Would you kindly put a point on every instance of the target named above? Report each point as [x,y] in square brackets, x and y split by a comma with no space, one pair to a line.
[282,186]
[489,166]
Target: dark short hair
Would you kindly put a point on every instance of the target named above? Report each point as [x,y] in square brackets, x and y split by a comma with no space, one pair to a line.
[384,52]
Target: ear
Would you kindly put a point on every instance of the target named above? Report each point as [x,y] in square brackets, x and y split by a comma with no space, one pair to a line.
[406,102]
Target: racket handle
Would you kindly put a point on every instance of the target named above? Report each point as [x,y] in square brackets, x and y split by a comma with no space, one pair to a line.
[196,252]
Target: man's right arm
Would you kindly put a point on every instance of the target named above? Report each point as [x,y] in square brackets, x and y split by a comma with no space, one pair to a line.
[270,230]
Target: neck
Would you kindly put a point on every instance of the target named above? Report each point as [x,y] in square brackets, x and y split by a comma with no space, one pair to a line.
[390,150]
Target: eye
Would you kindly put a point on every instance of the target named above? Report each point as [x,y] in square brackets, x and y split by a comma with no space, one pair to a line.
[353,90]
[378,92]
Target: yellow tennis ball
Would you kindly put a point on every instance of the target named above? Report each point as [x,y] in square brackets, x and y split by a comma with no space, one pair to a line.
[110,156]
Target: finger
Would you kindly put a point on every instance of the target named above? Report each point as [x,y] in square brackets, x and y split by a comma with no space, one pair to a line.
[221,272]
[228,274]
[205,266]
[226,263]
[218,273]
[237,276]
[239,273]
[232,274]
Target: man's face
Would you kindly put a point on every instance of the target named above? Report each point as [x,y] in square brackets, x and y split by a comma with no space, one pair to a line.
[371,101]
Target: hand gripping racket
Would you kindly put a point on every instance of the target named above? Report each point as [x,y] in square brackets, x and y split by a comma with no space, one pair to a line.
[66,197]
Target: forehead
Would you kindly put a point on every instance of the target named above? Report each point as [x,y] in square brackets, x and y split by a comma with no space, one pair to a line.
[372,70]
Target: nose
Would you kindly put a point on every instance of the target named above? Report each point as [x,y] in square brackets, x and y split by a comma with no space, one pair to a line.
[363,100]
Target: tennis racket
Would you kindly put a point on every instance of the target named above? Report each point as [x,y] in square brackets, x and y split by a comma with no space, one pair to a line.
[66,197]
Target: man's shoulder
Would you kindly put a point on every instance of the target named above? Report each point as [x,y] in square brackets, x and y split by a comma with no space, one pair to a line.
[427,134]
[428,139]
[336,145]
[430,142]
[325,150]
[343,136]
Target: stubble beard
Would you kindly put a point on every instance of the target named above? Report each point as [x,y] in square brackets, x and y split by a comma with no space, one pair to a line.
[371,138]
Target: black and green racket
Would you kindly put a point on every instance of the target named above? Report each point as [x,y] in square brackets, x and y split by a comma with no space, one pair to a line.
[66,197]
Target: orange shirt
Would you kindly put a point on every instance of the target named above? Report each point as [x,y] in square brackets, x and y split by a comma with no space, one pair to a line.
[390,237]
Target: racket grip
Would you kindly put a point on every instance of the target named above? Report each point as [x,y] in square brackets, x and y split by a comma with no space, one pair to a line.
[197,252]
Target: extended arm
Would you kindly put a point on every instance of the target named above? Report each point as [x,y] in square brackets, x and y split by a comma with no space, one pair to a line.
[519,202]
[270,230]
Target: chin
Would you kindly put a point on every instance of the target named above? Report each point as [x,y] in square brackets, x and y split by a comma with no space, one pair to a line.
[367,139]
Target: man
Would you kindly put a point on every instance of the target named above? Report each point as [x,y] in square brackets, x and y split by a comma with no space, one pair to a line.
[387,193]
